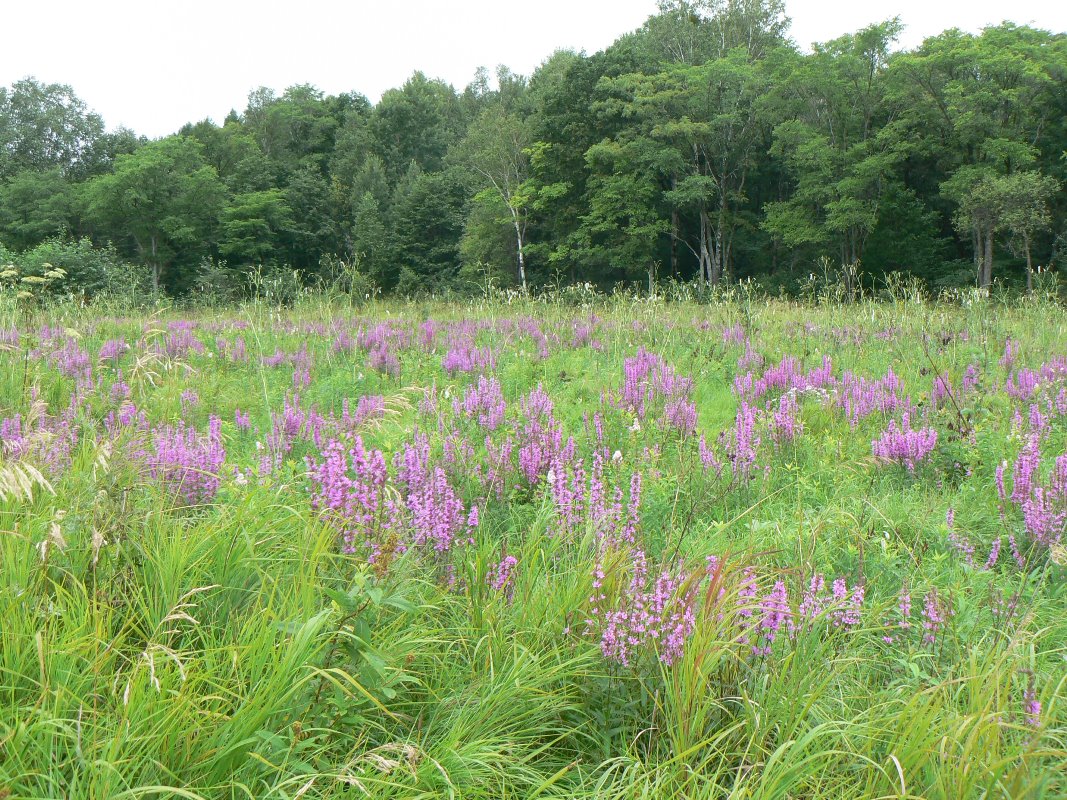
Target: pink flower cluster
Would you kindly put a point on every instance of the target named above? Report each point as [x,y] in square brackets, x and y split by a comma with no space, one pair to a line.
[348,489]
[482,402]
[650,381]
[186,461]
[655,611]
[903,445]
[657,614]
[1043,503]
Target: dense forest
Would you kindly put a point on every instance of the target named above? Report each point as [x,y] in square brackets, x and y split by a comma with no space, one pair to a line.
[705,147]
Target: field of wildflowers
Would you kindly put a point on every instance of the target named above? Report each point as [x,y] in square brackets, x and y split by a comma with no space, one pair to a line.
[625,549]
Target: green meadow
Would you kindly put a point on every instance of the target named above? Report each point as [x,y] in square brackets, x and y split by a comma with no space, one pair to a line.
[580,547]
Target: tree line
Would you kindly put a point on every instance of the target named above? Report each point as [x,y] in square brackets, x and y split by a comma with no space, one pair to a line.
[704,146]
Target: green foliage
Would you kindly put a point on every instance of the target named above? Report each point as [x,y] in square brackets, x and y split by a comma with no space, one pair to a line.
[495,153]
[704,145]
[164,200]
[233,650]
[427,217]
[88,269]
[416,124]
[370,241]
[44,127]
[35,205]
[251,226]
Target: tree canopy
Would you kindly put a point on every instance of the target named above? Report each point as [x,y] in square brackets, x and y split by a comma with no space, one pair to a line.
[703,146]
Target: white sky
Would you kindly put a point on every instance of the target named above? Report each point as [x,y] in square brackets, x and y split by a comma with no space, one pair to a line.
[153,66]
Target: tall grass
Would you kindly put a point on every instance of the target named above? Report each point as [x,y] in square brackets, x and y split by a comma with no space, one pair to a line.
[153,648]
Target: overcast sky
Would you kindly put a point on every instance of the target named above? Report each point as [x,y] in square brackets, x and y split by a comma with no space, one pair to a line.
[153,66]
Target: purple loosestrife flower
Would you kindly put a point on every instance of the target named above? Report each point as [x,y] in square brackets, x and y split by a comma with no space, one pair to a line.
[1043,505]
[568,495]
[785,424]
[1015,554]
[499,465]
[482,402]
[649,380]
[774,613]
[72,362]
[1060,403]
[746,602]
[749,360]
[903,622]
[11,435]
[904,607]
[839,589]
[384,335]
[532,329]
[1022,385]
[533,459]
[814,601]
[120,390]
[368,407]
[435,512]
[127,417]
[279,359]
[1038,422]
[935,612]
[901,444]
[382,359]
[189,400]
[994,554]
[743,384]
[239,353]
[941,391]
[582,335]
[681,415]
[784,376]
[1031,707]
[598,427]
[743,443]
[459,452]
[181,343]
[501,575]
[539,439]
[650,617]
[633,510]
[846,608]
[708,458]
[464,356]
[958,541]
[735,334]
[1011,353]
[1045,515]
[852,616]
[427,334]
[999,479]
[112,349]
[186,461]
[47,442]
[349,490]
[861,397]
[537,407]
[295,422]
[343,342]
[1025,470]
[9,337]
